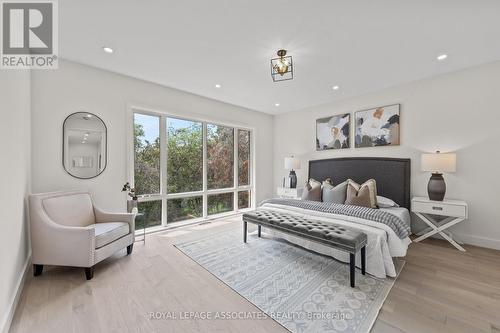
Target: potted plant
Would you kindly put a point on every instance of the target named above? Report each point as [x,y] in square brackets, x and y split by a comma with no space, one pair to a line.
[131,204]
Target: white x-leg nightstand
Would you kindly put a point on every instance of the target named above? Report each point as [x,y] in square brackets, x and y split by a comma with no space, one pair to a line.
[454,211]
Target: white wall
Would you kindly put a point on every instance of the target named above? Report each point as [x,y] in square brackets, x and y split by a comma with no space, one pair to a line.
[15,139]
[75,87]
[458,112]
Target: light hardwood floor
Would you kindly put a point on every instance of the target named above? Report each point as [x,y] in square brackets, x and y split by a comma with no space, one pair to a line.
[439,290]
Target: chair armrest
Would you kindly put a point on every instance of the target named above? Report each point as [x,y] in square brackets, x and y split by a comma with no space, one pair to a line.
[56,244]
[103,217]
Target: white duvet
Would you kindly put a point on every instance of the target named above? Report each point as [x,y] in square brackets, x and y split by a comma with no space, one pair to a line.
[383,243]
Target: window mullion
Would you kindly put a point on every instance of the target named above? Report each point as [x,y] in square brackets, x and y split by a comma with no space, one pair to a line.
[236,139]
[205,171]
[251,169]
[163,167]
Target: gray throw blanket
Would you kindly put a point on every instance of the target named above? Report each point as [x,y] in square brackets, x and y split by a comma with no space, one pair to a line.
[401,228]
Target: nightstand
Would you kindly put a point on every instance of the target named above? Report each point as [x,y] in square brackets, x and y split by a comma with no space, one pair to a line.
[289,193]
[453,211]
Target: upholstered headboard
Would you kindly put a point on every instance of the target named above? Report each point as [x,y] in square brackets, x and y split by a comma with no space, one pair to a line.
[391,174]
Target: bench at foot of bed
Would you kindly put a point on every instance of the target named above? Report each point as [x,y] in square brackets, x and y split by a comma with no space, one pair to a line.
[336,236]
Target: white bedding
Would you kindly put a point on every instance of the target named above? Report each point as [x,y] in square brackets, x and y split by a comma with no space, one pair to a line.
[383,243]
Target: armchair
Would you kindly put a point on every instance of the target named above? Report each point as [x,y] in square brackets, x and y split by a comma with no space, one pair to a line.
[67,229]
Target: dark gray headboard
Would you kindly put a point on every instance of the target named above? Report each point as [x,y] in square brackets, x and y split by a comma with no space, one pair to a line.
[391,174]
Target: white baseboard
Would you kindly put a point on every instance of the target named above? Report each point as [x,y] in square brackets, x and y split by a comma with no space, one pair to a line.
[7,320]
[479,241]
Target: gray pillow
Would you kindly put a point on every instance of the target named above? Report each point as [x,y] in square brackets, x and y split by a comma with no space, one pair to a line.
[312,190]
[336,194]
[384,202]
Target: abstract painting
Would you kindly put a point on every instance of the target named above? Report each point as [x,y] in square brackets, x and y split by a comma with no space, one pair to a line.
[333,132]
[377,127]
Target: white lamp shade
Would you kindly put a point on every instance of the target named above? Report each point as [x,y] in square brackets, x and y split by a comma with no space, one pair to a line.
[292,163]
[438,162]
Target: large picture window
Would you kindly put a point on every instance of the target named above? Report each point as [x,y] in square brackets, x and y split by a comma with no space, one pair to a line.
[186,169]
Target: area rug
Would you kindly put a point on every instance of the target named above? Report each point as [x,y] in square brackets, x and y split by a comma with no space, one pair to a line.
[302,290]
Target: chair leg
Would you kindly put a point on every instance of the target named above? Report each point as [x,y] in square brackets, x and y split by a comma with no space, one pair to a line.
[244,232]
[259,232]
[363,260]
[129,249]
[89,272]
[352,264]
[37,270]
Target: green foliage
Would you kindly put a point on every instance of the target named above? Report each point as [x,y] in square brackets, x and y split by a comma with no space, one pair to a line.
[184,209]
[185,159]
[150,214]
[243,157]
[243,199]
[147,163]
[220,203]
[220,154]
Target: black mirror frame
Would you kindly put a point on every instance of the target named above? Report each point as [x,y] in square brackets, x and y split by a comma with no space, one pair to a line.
[106,145]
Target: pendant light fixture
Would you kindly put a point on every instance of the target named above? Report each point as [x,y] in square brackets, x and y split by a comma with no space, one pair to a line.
[282,67]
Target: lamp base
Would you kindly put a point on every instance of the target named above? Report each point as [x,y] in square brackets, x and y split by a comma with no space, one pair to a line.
[293,179]
[436,187]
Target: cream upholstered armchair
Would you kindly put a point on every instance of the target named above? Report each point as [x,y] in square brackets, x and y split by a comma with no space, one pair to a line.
[68,230]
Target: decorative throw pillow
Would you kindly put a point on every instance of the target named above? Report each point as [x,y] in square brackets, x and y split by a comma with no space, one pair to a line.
[336,194]
[312,190]
[362,195]
[383,202]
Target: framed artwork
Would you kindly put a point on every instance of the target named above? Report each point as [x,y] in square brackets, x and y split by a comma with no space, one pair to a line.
[333,132]
[377,127]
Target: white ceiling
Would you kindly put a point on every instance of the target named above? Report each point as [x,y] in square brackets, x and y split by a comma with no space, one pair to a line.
[361,46]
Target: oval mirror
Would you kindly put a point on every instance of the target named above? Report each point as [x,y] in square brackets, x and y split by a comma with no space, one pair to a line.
[84,145]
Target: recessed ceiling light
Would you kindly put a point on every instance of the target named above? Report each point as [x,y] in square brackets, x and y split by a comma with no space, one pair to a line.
[442,57]
[83,141]
[277,104]
[335,87]
[218,86]
[108,49]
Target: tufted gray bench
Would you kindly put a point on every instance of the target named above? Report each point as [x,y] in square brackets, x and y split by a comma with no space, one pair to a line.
[333,235]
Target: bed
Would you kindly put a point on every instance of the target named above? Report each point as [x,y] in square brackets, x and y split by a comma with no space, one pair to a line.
[393,181]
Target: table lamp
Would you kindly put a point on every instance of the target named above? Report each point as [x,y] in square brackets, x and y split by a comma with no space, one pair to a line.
[437,163]
[292,164]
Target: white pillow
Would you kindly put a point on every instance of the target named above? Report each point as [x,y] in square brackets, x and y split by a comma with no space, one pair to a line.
[384,202]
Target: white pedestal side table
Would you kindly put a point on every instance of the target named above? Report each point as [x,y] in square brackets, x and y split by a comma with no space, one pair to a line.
[454,211]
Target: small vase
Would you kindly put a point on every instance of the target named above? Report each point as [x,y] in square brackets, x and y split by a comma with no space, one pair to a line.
[131,204]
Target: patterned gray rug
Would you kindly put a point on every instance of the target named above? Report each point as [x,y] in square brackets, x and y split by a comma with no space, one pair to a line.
[301,290]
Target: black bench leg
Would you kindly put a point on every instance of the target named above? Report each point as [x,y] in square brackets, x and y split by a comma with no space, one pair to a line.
[244,232]
[363,260]
[259,230]
[352,264]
